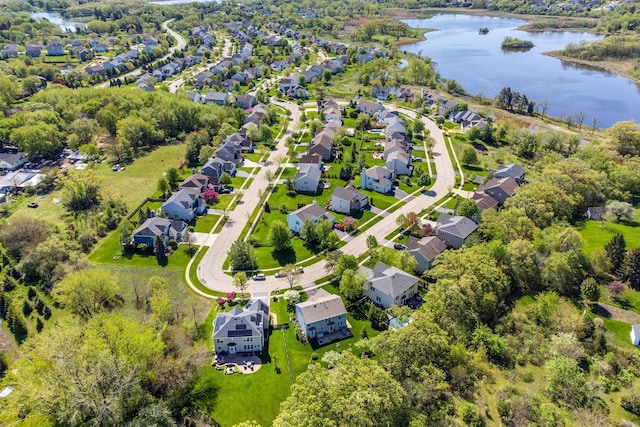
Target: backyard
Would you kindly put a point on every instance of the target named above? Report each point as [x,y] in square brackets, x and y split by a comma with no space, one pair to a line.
[595,234]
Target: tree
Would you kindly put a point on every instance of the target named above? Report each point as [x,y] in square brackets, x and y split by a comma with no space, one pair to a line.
[269,176]
[616,249]
[615,289]
[240,281]
[279,236]
[326,76]
[372,242]
[469,156]
[21,235]
[173,177]
[331,261]
[346,262]
[137,132]
[424,180]
[163,186]
[378,318]
[566,381]
[308,232]
[210,196]
[126,233]
[159,302]
[621,210]
[225,179]
[590,290]
[82,190]
[626,135]
[418,126]
[344,395]
[631,268]
[351,284]
[86,372]
[160,250]
[468,208]
[37,140]
[88,292]
[242,256]
[290,274]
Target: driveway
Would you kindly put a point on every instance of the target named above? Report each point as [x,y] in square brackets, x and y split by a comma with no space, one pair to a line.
[203,239]
[378,211]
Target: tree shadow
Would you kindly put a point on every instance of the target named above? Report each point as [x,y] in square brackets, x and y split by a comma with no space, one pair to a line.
[600,310]
[478,146]
[284,257]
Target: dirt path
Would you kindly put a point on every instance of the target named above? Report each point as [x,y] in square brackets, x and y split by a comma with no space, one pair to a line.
[616,313]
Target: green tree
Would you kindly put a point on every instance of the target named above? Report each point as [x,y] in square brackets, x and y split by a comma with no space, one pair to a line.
[623,211]
[351,283]
[160,250]
[242,256]
[88,292]
[290,274]
[21,235]
[337,396]
[85,373]
[137,132]
[468,208]
[163,186]
[469,156]
[631,268]
[37,140]
[173,177]
[626,136]
[346,262]
[81,189]
[566,382]
[372,242]
[279,236]
[424,180]
[326,76]
[308,232]
[159,302]
[241,282]
[590,290]
[126,233]
[225,179]
[616,249]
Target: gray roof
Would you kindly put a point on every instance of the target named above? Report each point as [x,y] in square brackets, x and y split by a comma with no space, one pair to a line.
[348,193]
[322,305]
[12,158]
[390,280]
[249,322]
[508,184]
[308,170]
[378,172]
[156,226]
[402,156]
[429,247]
[513,170]
[311,210]
[484,200]
[182,197]
[456,225]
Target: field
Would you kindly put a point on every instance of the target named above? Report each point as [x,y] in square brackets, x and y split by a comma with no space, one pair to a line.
[595,235]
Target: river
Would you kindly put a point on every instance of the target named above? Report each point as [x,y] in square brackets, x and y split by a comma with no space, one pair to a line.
[56,18]
[478,63]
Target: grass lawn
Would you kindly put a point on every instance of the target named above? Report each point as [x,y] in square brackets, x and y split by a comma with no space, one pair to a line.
[258,396]
[268,258]
[109,248]
[205,223]
[594,236]
[224,201]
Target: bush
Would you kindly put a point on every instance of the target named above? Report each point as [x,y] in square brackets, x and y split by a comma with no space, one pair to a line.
[631,402]
[173,244]
[314,356]
[353,114]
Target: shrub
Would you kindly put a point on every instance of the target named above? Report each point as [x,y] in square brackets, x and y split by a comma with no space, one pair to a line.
[631,402]
[353,114]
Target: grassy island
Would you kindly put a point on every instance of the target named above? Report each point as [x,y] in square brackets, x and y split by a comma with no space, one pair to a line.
[510,43]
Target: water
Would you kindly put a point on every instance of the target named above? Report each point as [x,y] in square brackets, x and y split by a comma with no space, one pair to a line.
[56,18]
[478,63]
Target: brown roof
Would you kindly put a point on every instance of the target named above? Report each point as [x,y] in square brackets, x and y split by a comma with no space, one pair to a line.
[310,158]
[508,185]
[484,200]
[429,247]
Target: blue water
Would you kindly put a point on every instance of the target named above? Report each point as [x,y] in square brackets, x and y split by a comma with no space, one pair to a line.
[478,63]
[55,18]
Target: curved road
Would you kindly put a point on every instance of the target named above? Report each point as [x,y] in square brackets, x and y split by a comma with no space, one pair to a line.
[210,270]
[182,43]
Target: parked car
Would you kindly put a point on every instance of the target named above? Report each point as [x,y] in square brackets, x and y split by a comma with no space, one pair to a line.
[299,270]
[116,167]
[338,226]
[259,276]
[226,191]
[32,205]
[278,275]
[399,246]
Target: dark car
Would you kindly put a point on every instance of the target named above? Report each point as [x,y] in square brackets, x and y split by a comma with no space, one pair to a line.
[399,246]
[32,205]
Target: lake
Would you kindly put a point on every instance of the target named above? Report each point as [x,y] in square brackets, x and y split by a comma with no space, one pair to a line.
[56,18]
[478,63]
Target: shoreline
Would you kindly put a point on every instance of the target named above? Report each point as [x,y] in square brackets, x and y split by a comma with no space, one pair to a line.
[619,68]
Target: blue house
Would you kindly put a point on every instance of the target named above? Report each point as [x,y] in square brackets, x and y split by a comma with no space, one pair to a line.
[159,227]
[55,49]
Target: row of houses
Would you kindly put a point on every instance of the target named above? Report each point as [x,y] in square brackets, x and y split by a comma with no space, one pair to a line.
[117,63]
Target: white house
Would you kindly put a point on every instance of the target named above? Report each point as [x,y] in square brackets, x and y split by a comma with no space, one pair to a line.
[332,113]
[322,314]
[369,107]
[312,212]
[307,179]
[347,200]
[399,162]
[242,331]
[387,286]
[377,178]
[184,205]
[635,334]
[11,161]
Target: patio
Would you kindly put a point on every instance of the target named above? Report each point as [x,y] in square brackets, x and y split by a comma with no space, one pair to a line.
[237,363]
[335,336]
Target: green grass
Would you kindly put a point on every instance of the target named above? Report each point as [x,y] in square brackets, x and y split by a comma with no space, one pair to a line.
[619,331]
[193,275]
[258,396]
[109,248]
[268,258]
[595,236]
[204,224]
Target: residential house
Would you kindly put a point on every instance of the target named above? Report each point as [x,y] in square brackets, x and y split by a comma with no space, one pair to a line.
[33,49]
[595,213]
[55,49]
[214,167]
[185,205]
[95,69]
[228,85]
[381,93]
[83,54]
[635,334]
[347,200]
[307,179]
[454,230]
[425,250]
[194,96]
[314,160]
[513,170]
[369,107]
[9,51]
[12,161]
[245,101]
[219,98]
[364,57]
[448,106]
[145,83]
[467,119]
[164,228]
[312,212]
[396,125]
[322,314]
[484,200]
[377,178]
[280,65]
[197,183]
[332,113]
[500,188]
[230,152]
[399,162]
[322,145]
[394,145]
[240,140]
[242,330]
[387,286]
